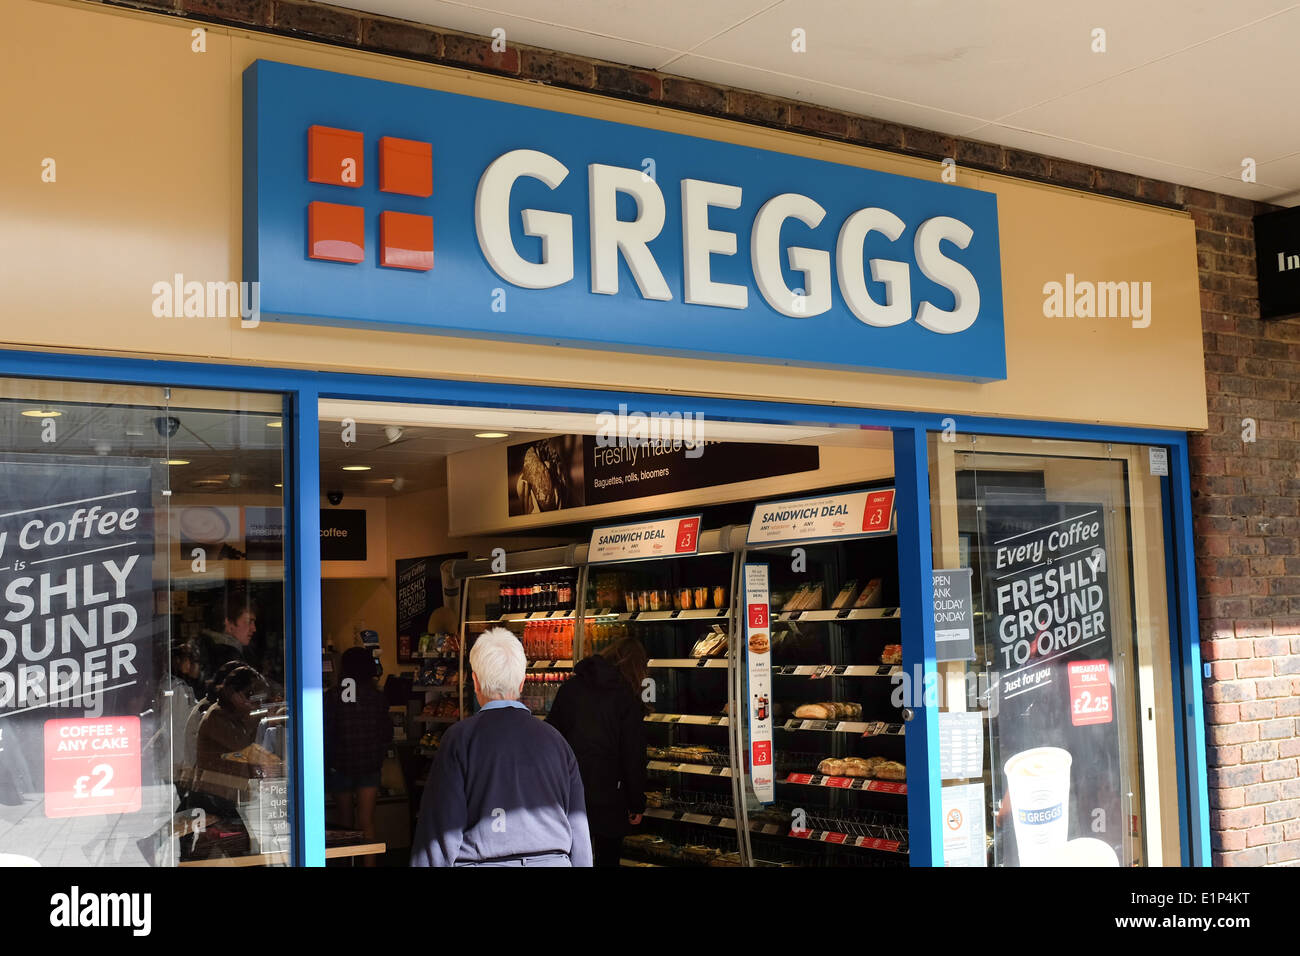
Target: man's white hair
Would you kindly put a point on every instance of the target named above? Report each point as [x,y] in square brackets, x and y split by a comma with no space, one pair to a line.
[498,660]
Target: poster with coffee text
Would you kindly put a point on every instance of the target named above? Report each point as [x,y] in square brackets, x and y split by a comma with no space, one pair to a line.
[1057,763]
[81,662]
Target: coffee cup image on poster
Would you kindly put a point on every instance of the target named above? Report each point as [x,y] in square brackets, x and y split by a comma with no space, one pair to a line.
[1057,759]
[81,657]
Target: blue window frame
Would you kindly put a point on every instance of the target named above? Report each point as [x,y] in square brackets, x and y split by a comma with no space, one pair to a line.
[303,388]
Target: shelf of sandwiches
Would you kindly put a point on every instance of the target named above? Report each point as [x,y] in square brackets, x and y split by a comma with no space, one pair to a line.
[702,720]
[838,717]
[890,658]
[689,759]
[853,602]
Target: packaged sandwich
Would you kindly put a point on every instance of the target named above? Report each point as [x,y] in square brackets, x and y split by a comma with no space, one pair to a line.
[872,595]
[845,597]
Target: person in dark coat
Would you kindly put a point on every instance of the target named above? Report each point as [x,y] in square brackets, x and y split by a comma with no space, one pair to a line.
[357,733]
[504,789]
[600,713]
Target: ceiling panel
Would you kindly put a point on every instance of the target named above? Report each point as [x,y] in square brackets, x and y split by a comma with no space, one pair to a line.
[1184,91]
[984,59]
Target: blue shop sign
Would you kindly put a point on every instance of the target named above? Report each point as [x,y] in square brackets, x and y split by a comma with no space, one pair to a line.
[377,205]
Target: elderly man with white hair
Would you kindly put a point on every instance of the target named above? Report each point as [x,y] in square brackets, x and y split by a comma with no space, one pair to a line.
[504,789]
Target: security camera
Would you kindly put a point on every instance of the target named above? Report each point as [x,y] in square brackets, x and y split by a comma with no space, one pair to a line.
[167,425]
[392,433]
[334,497]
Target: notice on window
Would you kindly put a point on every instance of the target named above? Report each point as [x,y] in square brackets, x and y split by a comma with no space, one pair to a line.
[963,826]
[665,538]
[1056,765]
[77,635]
[954,619]
[961,744]
[758,659]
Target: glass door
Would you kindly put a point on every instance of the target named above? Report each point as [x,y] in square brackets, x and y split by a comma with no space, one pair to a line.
[1056,726]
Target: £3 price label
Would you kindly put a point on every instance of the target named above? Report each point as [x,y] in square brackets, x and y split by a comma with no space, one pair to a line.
[1090,693]
[92,766]
[688,533]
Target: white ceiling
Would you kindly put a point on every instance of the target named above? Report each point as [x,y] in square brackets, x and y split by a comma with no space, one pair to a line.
[1185,91]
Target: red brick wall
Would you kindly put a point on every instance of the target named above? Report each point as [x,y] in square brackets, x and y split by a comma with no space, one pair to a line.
[1246,493]
[1247,528]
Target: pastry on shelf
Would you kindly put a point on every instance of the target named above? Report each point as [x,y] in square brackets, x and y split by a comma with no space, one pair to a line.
[828,710]
[892,654]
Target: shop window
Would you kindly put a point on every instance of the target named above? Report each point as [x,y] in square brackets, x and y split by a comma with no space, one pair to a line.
[1056,724]
[143,714]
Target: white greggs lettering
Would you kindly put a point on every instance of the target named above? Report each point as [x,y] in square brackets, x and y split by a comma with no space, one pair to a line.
[611,237]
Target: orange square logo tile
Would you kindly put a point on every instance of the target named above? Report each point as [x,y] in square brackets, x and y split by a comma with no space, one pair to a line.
[335,156]
[337,233]
[406,241]
[405,166]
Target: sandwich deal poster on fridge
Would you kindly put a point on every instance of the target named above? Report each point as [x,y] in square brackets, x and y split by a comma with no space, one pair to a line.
[77,668]
[1057,776]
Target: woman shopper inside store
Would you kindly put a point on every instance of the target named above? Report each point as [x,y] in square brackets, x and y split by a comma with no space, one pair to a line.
[600,714]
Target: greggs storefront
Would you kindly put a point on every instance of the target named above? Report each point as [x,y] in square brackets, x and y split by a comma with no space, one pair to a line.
[883,464]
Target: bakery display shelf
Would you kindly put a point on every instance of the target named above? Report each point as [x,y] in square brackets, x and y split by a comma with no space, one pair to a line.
[855,784]
[885,832]
[844,614]
[548,664]
[692,614]
[668,766]
[523,616]
[724,818]
[874,728]
[701,720]
[835,670]
[685,662]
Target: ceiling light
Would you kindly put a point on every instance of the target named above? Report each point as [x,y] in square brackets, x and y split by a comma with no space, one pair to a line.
[276,423]
[356,467]
[177,461]
[492,435]
[279,484]
[41,413]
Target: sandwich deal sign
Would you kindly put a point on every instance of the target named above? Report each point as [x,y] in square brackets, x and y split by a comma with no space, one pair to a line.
[376,205]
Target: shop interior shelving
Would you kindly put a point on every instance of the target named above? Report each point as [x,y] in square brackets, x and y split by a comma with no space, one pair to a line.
[825,649]
[701,808]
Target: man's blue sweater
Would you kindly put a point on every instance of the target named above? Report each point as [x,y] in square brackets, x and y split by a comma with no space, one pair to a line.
[503,785]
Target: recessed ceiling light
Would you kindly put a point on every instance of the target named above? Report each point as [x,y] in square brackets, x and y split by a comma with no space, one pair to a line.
[41,413]
[491,434]
[208,482]
[279,484]
[356,467]
[277,423]
[177,461]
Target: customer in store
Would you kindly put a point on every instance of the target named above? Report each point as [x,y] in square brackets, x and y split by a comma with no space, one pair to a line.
[600,713]
[225,756]
[187,756]
[357,733]
[504,789]
[177,699]
[234,641]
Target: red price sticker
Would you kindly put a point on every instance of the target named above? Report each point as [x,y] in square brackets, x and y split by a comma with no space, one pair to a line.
[842,783]
[758,615]
[762,753]
[92,766]
[1090,693]
[688,535]
[879,512]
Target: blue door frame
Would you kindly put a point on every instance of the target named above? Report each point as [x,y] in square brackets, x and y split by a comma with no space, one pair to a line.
[302,389]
